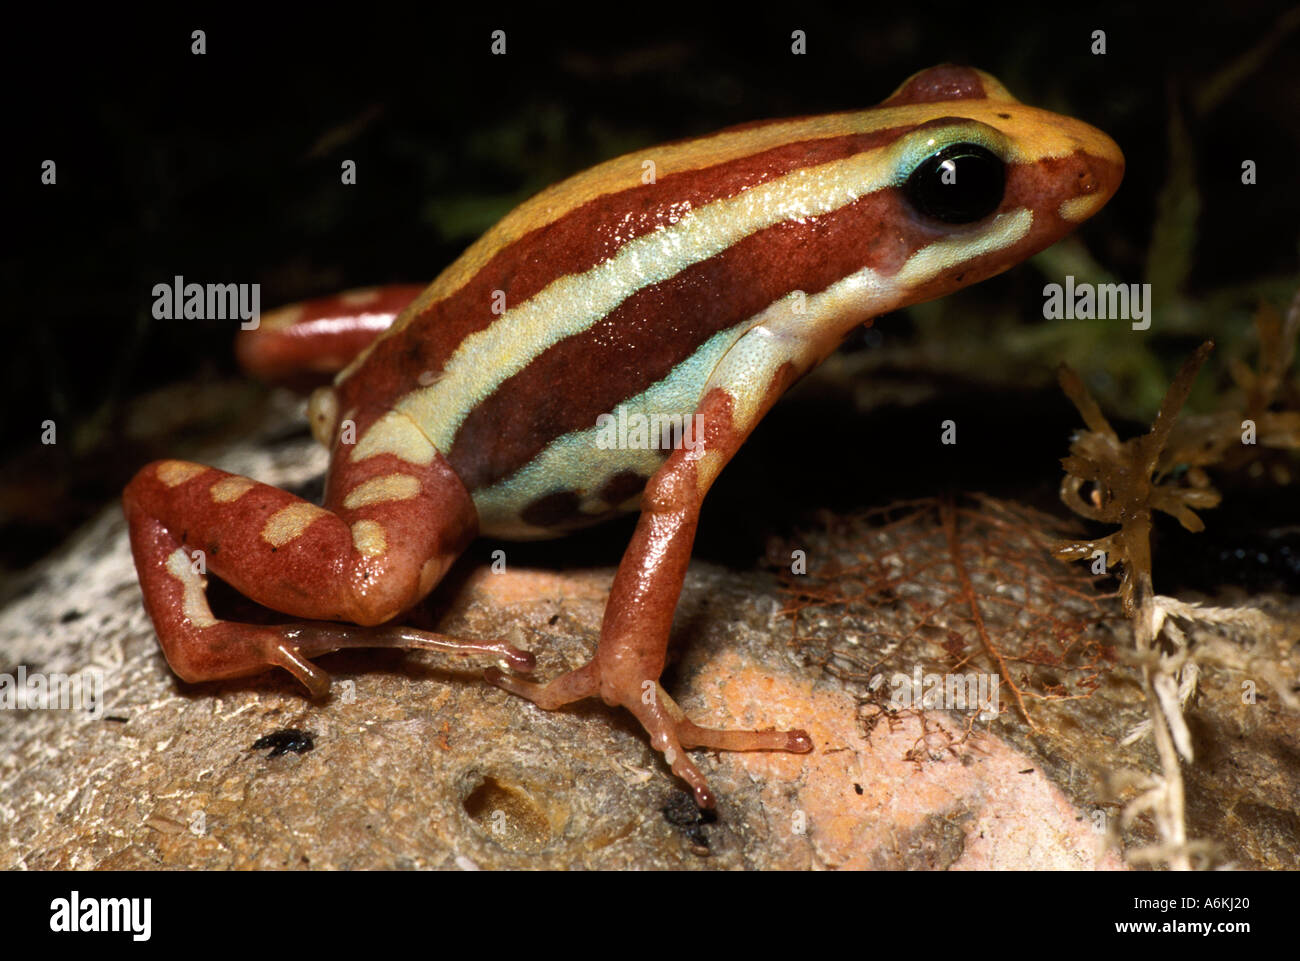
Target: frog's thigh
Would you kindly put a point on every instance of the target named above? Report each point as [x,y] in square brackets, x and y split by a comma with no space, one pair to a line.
[365,558]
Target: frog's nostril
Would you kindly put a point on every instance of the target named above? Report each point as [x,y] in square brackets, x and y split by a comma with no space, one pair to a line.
[1096,179]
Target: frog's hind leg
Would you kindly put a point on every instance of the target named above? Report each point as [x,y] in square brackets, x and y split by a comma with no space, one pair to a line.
[304,345]
[671,731]
[392,530]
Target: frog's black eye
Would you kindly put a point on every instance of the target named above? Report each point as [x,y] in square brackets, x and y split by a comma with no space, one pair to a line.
[960,184]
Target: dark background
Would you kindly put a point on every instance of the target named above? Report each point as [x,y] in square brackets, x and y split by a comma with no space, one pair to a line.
[225,168]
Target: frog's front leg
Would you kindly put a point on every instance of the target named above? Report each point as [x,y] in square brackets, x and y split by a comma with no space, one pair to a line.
[638,616]
[389,531]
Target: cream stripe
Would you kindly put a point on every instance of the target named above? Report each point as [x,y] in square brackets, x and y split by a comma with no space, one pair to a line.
[779,335]
[381,490]
[573,303]
[1031,135]
[397,435]
[1038,134]
[574,461]
[742,360]
[195,604]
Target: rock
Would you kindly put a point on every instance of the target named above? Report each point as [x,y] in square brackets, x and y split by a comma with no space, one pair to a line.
[415,762]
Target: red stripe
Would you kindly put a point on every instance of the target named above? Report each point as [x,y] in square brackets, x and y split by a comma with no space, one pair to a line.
[578,241]
[569,385]
[572,383]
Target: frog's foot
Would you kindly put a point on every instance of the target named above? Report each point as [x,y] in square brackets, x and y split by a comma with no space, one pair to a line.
[226,649]
[299,641]
[672,733]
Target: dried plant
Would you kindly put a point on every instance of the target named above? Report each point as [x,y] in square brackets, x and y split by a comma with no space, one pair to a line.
[949,586]
[1125,484]
[1165,470]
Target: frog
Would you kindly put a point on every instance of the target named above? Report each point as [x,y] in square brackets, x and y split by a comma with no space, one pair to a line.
[688,285]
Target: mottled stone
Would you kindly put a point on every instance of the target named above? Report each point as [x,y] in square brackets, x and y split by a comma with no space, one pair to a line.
[417,763]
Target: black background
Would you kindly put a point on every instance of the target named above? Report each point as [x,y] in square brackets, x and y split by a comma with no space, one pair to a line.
[225,167]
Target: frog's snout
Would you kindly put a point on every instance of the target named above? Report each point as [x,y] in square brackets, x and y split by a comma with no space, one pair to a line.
[1104,162]
[1099,168]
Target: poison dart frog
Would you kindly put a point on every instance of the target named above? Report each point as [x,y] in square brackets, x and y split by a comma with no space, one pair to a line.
[694,280]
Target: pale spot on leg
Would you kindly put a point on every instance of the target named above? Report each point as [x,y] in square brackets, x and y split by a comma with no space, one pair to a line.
[710,466]
[431,572]
[380,490]
[231,489]
[173,473]
[357,298]
[323,413]
[284,525]
[196,605]
[282,318]
[368,538]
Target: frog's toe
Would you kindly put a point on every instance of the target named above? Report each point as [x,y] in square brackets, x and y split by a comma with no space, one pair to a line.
[692,735]
[565,689]
[290,645]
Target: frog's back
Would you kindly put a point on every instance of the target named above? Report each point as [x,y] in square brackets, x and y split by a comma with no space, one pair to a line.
[588,300]
[618,291]
[553,418]
[603,295]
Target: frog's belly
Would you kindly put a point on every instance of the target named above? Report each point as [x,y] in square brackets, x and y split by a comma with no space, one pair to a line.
[591,475]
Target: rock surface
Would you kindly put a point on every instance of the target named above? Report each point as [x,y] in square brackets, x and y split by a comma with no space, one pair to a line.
[417,763]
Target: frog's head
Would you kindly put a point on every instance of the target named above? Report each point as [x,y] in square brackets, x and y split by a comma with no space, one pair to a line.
[980,181]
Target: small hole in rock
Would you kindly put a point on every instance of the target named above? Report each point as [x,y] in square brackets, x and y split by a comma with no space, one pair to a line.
[508,815]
